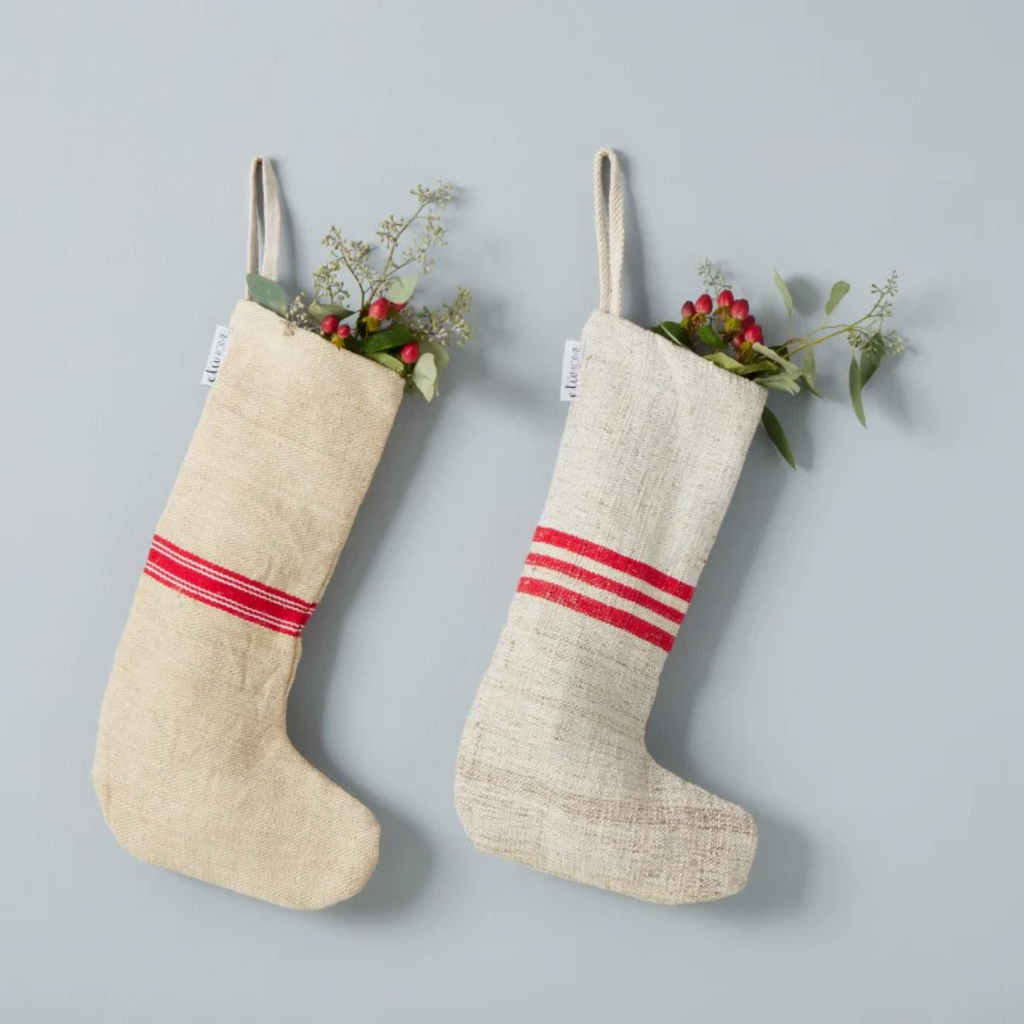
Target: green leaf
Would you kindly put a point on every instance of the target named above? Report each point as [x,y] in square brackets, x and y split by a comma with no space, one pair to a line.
[673,331]
[725,362]
[855,386]
[839,290]
[386,360]
[399,289]
[787,298]
[809,372]
[769,353]
[871,358]
[439,352]
[774,430]
[319,310]
[808,369]
[710,337]
[424,375]
[391,337]
[267,293]
[780,382]
[758,366]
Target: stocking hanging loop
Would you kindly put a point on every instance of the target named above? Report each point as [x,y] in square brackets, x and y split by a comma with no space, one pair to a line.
[608,219]
[265,204]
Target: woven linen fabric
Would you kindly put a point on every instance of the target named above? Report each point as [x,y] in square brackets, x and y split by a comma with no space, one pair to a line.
[553,771]
[194,768]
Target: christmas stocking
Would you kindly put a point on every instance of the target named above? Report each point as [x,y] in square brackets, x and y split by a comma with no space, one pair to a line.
[553,771]
[194,769]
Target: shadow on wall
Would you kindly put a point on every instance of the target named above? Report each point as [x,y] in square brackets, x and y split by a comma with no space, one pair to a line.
[637,302]
[778,879]
[406,858]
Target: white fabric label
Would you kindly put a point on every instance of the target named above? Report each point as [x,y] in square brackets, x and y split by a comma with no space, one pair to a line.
[215,359]
[572,361]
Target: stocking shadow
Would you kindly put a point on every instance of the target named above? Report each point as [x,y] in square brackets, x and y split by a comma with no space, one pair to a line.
[638,303]
[778,879]
[405,855]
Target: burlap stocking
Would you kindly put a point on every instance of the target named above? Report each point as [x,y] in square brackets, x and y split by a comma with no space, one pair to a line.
[553,771]
[194,768]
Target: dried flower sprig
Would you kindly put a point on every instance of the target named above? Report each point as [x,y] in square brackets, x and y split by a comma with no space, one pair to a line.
[414,343]
[724,332]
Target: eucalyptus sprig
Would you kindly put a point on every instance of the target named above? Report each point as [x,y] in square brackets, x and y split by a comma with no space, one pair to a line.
[725,333]
[381,325]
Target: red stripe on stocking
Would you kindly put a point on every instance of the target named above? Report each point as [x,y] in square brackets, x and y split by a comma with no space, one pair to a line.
[623,563]
[595,579]
[596,610]
[226,590]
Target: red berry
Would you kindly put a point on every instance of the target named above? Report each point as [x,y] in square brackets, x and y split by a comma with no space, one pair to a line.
[747,321]
[344,331]
[754,334]
[379,309]
[724,298]
[329,324]
[740,309]
[687,311]
[703,304]
[410,353]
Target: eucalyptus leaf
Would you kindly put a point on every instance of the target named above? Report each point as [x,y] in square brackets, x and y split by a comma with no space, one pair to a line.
[319,310]
[267,293]
[725,362]
[439,352]
[386,360]
[774,430]
[809,372]
[424,376]
[780,382]
[808,368]
[391,337]
[399,289]
[769,353]
[673,331]
[709,336]
[839,290]
[871,358]
[855,386]
[758,366]
[787,298]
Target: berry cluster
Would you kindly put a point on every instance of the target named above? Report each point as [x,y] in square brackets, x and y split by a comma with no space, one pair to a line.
[361,300]
[733,315]
[723,332]
[373,318]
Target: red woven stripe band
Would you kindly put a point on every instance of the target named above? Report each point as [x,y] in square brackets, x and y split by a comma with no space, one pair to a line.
[606,556]
[595,579]
[226,590]
[596,610]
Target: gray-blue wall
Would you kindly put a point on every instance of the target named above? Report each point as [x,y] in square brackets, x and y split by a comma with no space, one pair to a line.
[851,668]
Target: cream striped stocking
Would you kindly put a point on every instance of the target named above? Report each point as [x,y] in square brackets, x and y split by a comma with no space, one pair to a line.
[553,771]
[194,769]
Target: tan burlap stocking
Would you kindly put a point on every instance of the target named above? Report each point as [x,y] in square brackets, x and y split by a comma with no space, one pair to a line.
[553,771]
[194,769]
